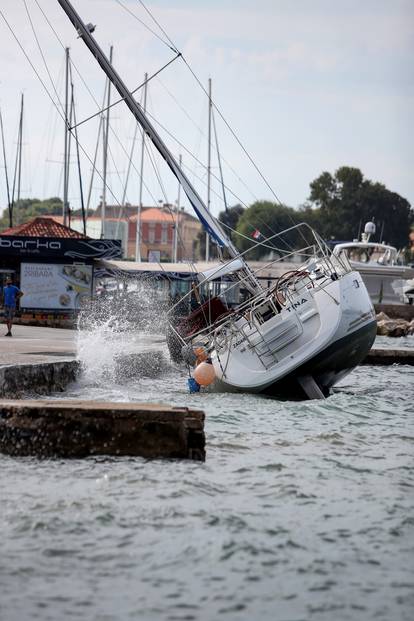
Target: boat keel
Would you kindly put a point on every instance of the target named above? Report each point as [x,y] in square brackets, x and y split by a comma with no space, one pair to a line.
[310,387]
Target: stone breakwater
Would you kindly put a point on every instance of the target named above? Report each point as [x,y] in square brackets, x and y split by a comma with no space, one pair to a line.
[73,428]
[42,378]
[387,326]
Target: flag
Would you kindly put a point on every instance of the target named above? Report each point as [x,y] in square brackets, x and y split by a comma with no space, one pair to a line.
[257,234]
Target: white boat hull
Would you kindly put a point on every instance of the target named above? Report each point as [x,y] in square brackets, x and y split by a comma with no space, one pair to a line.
[327,333]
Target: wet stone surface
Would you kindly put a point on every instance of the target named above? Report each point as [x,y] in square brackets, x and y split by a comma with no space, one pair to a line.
[81,428]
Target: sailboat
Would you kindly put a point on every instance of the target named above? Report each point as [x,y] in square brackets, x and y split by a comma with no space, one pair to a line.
[302,334]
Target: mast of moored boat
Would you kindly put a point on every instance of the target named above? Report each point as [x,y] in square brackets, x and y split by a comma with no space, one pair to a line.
[209,222]
[208,167]
[65,206]
[20,147]
[141,182]
[176,231]
[105,151]
[9,204]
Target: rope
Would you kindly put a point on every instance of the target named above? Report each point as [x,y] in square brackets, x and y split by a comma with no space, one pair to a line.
[49,95]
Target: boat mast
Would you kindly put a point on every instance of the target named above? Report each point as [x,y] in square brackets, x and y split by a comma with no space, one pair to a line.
[17,162]
[208,166]
[19,173]
[65,206]
[98,141]
[124,192]
[9,205]
[198,205]
[141,181]
[105,150]
[177,217]
[78,156]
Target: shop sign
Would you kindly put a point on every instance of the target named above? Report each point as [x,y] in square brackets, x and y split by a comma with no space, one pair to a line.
[59,248]
[55,287]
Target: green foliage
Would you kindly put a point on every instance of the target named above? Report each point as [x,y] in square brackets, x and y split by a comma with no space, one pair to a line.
[201,246]
[230,219]
[268,218]
[29,208]
[345,201]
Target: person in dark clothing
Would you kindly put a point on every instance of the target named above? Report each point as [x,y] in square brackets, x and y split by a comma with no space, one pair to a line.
[11,295]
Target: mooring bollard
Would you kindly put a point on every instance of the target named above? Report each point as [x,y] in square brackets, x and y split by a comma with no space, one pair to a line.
[82,428]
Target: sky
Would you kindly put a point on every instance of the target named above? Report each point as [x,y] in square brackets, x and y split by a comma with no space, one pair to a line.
[306,86]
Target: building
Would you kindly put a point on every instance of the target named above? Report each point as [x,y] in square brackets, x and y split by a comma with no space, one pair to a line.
[53,264]
[157,231]
[47,226]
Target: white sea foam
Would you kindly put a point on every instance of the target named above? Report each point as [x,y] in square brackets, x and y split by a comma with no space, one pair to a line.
[121,336]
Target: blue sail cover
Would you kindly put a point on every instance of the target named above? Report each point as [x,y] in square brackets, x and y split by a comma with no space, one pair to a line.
[209,222]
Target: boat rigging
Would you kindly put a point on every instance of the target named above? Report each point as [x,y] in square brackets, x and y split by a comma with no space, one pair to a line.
[304,333]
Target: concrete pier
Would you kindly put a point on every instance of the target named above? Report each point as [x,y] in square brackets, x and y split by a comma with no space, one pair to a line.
[81,428]
[41,378]
[382,356]
[31,344]
[396,311]
[40,360]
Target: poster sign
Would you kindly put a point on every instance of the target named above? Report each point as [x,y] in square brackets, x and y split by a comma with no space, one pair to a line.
[154,256]
[55,287]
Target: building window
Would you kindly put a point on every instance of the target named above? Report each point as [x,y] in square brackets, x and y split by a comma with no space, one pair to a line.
[164,233]
[151,233]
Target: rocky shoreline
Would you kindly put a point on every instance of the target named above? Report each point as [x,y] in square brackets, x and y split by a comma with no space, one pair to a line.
[394,327]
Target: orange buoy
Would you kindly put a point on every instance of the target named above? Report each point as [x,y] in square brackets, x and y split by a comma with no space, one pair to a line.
[201,354]
[204,374]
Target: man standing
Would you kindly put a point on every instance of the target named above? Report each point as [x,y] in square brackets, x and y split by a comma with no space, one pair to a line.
[11,294]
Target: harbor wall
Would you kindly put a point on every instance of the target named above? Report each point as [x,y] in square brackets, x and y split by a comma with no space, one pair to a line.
[43,378]
[77,428]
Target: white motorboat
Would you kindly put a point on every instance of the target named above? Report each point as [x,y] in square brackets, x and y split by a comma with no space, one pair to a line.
[304,333]
[379,265]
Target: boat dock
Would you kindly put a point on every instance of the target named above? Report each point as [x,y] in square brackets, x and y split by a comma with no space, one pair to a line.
[384,356]
[44,360]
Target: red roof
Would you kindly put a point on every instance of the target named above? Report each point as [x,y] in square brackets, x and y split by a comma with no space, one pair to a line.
[153,214]
[43,227]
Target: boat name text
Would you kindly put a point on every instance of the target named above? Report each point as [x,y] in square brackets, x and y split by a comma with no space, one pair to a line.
[296,305]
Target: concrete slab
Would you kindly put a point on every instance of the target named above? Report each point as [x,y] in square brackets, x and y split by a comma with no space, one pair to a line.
[379,355]
[73,428]
[31,344]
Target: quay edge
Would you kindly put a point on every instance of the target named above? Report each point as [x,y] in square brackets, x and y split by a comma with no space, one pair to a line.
[40,378]
[75,429]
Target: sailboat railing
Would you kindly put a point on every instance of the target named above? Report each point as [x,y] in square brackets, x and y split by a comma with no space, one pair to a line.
[333,263]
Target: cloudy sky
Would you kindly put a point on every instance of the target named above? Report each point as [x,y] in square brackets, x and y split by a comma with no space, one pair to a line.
[306,85]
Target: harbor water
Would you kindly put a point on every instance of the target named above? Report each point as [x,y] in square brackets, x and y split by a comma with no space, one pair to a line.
[302,510]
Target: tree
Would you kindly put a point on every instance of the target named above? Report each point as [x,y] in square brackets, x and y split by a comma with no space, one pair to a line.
[265,219]
[229,218]
[29,208]
[345,200]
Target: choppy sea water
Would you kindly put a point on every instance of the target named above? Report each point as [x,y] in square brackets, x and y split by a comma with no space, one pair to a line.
[303,510]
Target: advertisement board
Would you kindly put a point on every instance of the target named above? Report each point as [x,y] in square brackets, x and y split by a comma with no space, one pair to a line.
[55,287]
[154,256]
[58,247]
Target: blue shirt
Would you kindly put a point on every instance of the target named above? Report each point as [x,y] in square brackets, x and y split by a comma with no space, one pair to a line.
[10,292]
